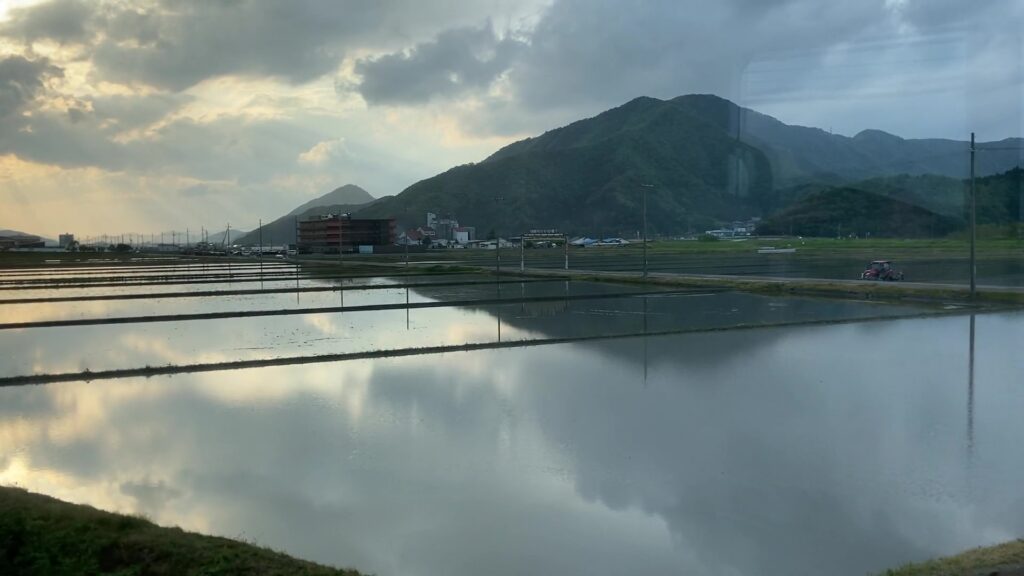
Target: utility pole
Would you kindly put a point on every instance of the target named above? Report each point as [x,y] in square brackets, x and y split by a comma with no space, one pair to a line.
[497,240]
[645,187]
[974,206]
[261,252]
[522,253]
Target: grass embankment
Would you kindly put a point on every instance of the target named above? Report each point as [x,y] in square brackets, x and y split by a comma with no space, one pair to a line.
[860,290]
[870,248]
[42,535]
[1005,558]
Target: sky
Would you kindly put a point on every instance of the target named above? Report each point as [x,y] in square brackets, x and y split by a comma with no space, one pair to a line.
[142,116]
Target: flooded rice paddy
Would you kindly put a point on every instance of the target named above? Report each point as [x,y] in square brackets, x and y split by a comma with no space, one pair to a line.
[752,435]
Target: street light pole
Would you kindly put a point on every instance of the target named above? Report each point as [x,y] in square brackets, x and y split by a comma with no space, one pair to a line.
[645,187]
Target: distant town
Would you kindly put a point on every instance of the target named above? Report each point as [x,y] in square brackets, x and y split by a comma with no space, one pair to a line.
[341,233]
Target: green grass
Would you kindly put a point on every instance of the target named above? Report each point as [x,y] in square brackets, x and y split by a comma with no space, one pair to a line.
[979,561]
[42,535]
[821,288]
[849,247]
[863,248]
[869,248]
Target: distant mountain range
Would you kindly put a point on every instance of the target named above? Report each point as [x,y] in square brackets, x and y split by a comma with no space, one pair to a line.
[218,237]
[705,159]
[15,233]
[843,211]
[346,199]
[347,195]
[48,241]
[899,206]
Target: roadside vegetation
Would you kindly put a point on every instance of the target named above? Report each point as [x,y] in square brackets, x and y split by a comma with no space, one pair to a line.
[1007,558]
[43,535]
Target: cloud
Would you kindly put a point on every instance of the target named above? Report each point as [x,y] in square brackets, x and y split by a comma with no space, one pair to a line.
[452,63]
[889,64]
[176,45]
[21,81]
[241,95]
[324,151]
[61,21]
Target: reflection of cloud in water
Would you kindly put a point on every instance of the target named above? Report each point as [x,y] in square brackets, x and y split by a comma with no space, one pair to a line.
[341,385]
[323,323]
[37,311]
[782,458]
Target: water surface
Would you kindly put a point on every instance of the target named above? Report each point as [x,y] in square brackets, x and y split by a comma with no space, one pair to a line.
[841,449]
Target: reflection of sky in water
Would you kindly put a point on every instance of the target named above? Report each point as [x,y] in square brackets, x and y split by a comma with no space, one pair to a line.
[39,311]
[109,346]
[142,271]
[224,285]
[775,451]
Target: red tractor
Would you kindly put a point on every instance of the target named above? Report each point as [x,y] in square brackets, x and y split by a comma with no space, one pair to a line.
[881,270]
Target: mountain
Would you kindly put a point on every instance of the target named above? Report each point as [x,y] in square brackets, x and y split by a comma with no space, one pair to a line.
[348,198]
[347,195]
[14,233]
[218,237]
[939,194]
[999,197]
[800,154]
[587,177]
[17,233]
[843,210]
[707,159]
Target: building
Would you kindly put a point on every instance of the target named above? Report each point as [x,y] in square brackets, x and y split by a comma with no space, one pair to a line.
[328,232]
[410,237]
[465,234]
[445,227]
[66,240]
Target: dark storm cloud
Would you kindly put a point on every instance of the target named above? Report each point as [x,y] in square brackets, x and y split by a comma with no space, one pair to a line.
[575,59]
[454,62]
[174,45]
[227,148]
[587,51]
[21,80]
[295,42]
[667,48]
[62,21]
[856,61]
